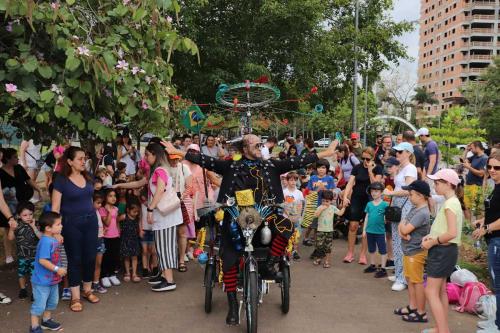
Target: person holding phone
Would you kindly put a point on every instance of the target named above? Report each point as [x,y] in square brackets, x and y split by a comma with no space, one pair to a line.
[212,148]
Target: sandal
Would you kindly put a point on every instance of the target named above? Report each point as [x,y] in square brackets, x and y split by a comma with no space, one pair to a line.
[416,317]
[126,277]
[4,299]
[136,278]
[76,305]
[90,297]
[399,311]
[316,262]
[326,265]
[182,268]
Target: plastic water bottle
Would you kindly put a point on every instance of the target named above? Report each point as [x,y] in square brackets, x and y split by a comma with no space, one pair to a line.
[235,236]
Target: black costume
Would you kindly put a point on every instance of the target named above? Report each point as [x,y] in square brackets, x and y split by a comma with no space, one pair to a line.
[263,177]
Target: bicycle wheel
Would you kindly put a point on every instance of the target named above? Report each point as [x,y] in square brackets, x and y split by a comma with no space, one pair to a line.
[209,284]
[285,290]
[252,301]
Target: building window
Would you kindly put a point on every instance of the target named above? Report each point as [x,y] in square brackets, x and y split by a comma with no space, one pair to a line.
[453,30]
[451,81]
[454,18]
[452,56]
[453,43]
[445,34]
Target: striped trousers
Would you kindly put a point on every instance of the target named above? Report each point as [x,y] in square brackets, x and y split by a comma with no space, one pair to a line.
[166,247]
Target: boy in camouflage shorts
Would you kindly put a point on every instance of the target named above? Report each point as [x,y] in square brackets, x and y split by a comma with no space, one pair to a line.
[325,214]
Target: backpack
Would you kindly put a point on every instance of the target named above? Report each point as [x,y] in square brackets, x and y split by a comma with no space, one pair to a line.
[471,293]
[453,290]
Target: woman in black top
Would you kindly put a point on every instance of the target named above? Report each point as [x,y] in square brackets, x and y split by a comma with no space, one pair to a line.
[17,185]
[355,195]
[489,227]
[6,218]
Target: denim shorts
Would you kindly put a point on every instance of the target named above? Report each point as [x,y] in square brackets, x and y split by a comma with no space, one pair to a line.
[101,248]
[376,241]
[25,266]
[148,237]
[45,299]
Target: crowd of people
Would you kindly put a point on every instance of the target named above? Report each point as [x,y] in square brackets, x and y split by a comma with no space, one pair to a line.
[103,223]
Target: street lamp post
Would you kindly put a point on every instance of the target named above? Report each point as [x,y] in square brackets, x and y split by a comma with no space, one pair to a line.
[355,77]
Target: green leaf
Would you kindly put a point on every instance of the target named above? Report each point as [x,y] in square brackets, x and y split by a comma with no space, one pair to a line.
[72,63]
[12,63]
[39,117]
[30,64]
[122,100]
[85,87]
[45,71]
[70,2]
[2,73]
[121,10]
[61,111]
[131,110]
[139,14]
[47,95]
[73,83]
[21,95]
[109,58]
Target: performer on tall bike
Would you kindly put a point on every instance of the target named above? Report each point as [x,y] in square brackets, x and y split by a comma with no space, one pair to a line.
[263,178]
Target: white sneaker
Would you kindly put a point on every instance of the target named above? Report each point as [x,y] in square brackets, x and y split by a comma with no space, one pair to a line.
[487,326]
[106,283]
[114,280]
[392,278]
[489,330]
[186,258]
[9,260]
[190,255]
[398,286]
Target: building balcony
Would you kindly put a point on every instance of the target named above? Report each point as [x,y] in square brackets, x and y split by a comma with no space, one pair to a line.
[482,4]
[481,30]
[472,71]
[478,44]
[482,17]
[482,57]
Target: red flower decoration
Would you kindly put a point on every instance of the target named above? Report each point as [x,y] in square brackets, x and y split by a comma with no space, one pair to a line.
[314,90]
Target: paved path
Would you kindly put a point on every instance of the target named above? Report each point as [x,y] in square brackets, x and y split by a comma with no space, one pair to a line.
[339,299]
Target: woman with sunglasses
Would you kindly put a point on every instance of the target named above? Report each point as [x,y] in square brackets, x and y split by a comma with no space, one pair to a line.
[407,174]
[355,195]
[489,227]
[443,242]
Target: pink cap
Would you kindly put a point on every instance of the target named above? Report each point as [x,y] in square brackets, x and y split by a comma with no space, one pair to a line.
[194,146]
[448,175]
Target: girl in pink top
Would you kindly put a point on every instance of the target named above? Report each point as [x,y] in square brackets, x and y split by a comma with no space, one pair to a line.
[111,259]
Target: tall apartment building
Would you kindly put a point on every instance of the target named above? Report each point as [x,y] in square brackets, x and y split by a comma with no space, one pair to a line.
[458,40]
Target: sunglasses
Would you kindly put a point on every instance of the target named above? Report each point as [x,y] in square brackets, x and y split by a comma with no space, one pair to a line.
[399,151]
[367,159]
[494,167]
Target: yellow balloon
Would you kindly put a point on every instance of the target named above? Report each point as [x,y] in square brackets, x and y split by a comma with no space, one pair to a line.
[237,157]
[219,216]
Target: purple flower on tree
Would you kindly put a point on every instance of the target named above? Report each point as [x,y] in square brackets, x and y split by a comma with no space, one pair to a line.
[83,50]
[144,105]
[105,121]
[9,26]
[122,64]
[10,88]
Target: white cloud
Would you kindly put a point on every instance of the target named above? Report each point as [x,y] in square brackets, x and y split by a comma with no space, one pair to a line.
[408,10]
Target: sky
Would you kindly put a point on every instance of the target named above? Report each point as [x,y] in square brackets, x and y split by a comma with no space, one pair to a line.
[408,10]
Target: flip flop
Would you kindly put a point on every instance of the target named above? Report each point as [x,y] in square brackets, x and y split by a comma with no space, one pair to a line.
[4,299]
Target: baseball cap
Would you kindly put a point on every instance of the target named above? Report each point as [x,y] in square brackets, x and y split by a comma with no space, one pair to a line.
[174,157]
[376,186]
[194,146]
[422,131]
[404,146]
[448,175]
[354,135]
[392,161]
[419,186]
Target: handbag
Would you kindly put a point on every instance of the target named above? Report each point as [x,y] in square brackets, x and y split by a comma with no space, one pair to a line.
[393,214]
[169,201]
[185,214]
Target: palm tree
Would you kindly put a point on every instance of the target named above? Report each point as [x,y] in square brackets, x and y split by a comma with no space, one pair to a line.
[422,97]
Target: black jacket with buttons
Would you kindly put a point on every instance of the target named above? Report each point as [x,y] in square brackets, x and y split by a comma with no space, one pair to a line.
[232,172]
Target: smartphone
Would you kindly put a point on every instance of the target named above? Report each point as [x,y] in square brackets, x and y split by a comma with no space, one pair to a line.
[338,137]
